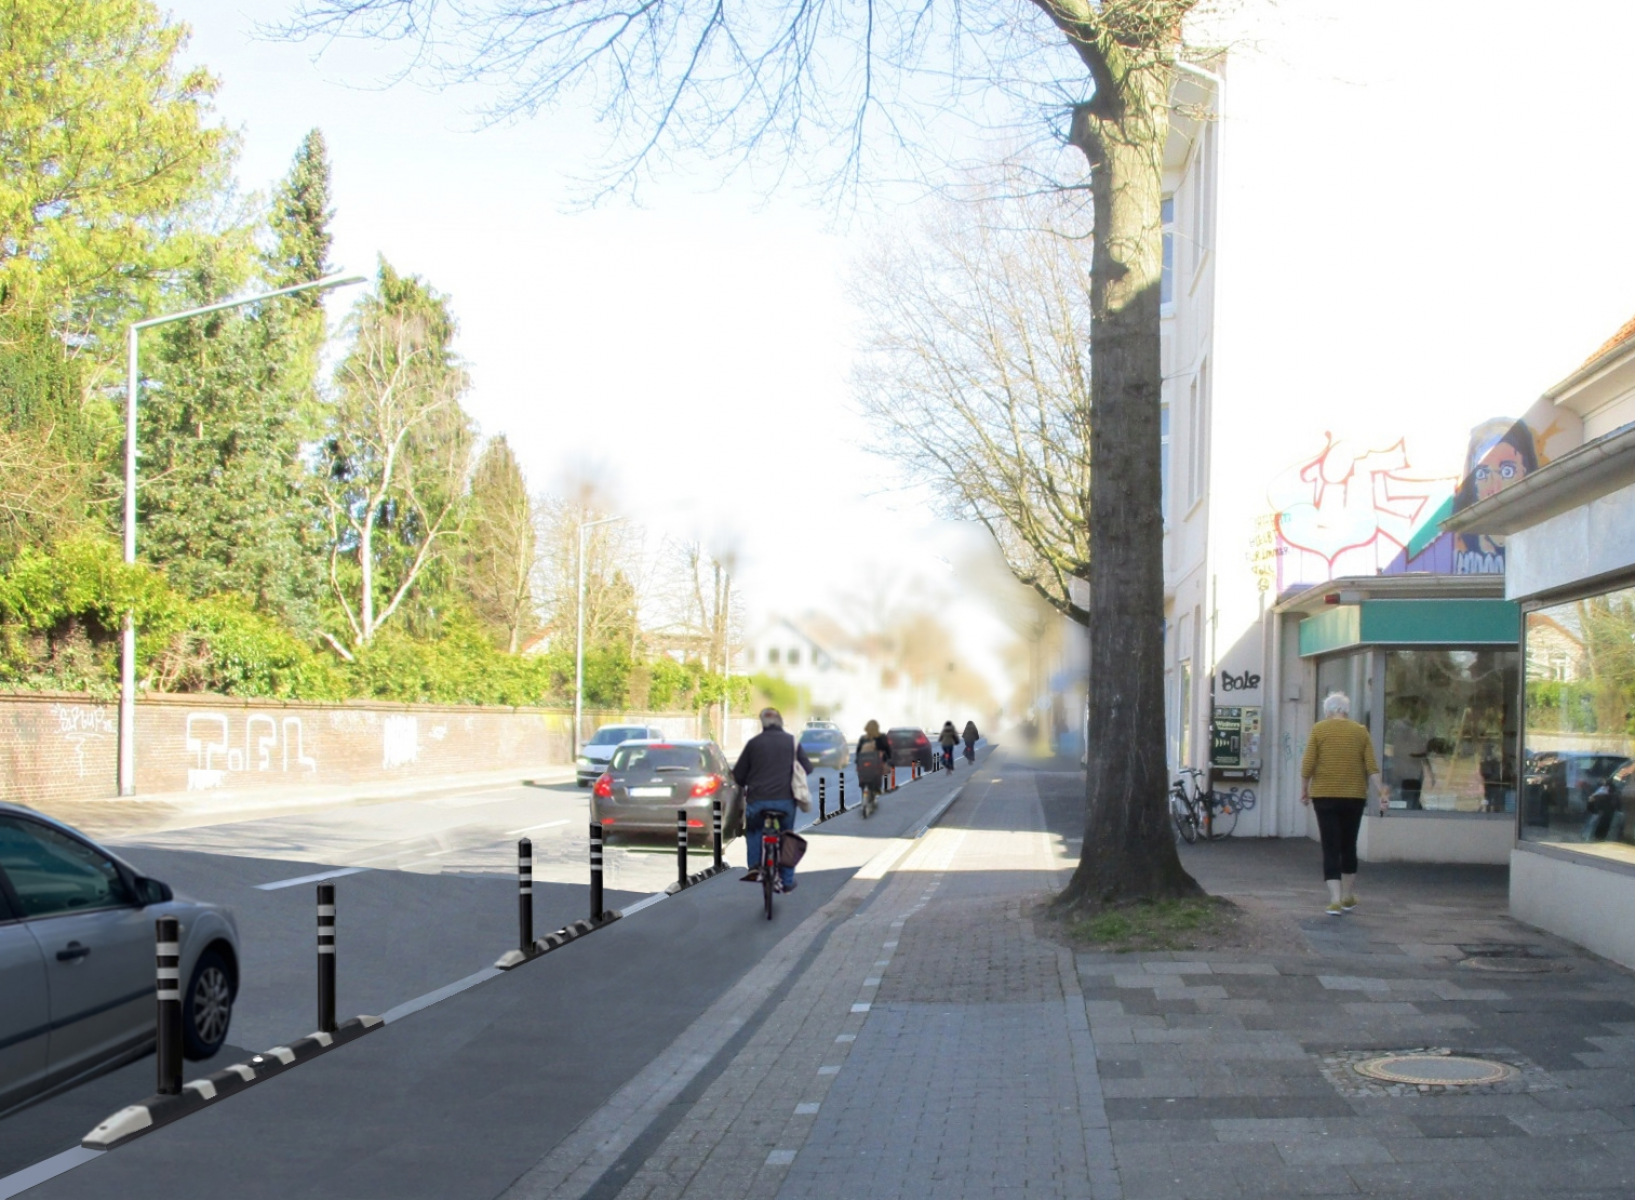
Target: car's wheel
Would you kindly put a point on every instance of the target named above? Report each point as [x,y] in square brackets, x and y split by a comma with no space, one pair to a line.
[207,1006]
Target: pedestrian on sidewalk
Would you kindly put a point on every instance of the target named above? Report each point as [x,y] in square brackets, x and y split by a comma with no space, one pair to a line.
[1335,774]
[766,771]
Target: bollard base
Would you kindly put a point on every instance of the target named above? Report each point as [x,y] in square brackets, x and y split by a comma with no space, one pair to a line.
[159,1110]
[554,941]
[695,878]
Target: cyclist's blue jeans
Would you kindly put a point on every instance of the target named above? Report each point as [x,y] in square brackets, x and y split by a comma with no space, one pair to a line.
[755,821]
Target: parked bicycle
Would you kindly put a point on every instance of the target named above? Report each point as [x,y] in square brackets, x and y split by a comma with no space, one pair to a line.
[1214,814]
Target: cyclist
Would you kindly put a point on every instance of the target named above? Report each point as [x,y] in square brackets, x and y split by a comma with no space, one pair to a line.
[873,755]
[765,770]
[971,737]
[948,739]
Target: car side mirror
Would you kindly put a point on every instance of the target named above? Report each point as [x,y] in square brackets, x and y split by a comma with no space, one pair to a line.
[151,891]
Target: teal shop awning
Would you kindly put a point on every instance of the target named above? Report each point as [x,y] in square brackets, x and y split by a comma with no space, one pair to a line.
[1412,623]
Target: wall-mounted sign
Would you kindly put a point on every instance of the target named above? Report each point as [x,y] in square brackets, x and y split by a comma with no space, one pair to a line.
[1234,741]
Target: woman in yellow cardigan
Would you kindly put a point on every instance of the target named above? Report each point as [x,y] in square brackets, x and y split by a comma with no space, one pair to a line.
[1338,767]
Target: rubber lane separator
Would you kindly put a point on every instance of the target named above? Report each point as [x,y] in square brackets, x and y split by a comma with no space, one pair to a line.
[555,941]
[134,1120]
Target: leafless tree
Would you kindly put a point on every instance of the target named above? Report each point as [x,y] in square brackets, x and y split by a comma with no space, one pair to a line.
[976,359]
[803,84]
[396,461]
[615,570]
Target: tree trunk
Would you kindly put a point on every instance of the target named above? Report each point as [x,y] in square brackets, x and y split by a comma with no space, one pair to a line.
[1129,844]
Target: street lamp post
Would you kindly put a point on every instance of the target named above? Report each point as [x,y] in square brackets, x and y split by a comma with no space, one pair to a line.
[127,645]
[579,650]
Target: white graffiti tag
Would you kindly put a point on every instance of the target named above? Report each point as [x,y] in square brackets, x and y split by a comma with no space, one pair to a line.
[209,741]
[400,742]
[80,724]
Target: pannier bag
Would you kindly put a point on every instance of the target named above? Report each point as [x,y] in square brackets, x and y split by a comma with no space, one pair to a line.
[791,849]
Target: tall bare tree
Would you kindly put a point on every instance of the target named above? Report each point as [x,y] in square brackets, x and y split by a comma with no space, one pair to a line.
[976,359]
[614,569]
[497,566]
[396,452]
[803,84]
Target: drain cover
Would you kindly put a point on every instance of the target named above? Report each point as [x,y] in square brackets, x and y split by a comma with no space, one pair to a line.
[1445,1070]
[1513,964]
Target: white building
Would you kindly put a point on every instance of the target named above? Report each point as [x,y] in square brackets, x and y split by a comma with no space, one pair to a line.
[1355,303]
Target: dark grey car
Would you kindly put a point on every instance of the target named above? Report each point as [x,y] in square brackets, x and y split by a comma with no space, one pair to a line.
[77,959]
[648,781]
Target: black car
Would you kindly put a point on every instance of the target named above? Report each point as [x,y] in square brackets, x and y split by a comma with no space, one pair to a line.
[909,745]
[1561,781]
[826,747]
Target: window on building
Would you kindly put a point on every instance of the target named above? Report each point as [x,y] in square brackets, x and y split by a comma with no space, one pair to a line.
[772,657]
[1163,461]
[1450,729]
[1578,762]
[1203,192]
[1184,716]
[1197,433]
[793,658]
[1166,280]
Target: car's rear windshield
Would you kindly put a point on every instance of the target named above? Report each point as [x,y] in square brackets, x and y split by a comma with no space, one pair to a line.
[615,734]
[815,737]
[904,735]
[659,758]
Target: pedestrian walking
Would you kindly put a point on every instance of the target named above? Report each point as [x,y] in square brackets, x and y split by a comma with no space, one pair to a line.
[873,755]
[1335,774]
[766,771]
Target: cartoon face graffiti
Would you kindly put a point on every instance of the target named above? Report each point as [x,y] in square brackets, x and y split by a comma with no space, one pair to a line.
[1502,467]
[1501,453]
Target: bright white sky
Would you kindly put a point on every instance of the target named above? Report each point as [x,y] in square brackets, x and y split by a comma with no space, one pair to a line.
[692,353]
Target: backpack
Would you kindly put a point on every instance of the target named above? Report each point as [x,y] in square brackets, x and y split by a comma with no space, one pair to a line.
[869,766]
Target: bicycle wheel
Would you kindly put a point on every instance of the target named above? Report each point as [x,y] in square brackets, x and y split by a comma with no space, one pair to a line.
[768,874]
[1223,819]
[1185,823]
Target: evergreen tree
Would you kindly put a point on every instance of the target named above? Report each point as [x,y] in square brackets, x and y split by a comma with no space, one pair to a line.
[498,559]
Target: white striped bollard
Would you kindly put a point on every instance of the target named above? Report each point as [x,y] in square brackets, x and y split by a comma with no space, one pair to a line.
[681,846]
[823,798]
[715,830]
[843,793]
[525,895]
[595,871]
[326,958]
[168,952]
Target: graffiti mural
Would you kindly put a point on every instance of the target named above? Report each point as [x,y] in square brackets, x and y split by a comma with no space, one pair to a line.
[269,741]
[81,724]
[1349,511]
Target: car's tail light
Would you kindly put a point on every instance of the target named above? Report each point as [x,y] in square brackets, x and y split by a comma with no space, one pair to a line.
[607,820]
[922,740]
[707,787]
[694,823]
[604,787]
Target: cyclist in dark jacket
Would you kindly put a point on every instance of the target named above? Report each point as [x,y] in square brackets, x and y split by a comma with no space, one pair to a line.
[947,739]
[871,783]
[764,770]
[971,737]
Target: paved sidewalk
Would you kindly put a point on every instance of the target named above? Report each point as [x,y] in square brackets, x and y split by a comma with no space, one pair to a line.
[929,1044]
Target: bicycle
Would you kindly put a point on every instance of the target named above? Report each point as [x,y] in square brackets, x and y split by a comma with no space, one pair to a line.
[1206,811]
[771,858]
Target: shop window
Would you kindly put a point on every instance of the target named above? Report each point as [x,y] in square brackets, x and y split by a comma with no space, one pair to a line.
[1578,765]
[1451,729]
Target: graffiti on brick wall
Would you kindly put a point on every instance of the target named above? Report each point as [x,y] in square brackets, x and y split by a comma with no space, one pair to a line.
[82,724]
[400,741]
[269,743]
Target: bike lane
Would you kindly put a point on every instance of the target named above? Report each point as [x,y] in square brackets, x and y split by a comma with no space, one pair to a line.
[463,1097]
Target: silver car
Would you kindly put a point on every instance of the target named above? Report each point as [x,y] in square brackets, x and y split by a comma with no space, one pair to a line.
[647,782]
[77,959]
[594,754]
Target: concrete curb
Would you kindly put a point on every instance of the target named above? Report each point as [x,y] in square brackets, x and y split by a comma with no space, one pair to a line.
[136,1119]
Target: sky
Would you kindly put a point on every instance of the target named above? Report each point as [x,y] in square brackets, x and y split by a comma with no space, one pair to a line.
[690,354]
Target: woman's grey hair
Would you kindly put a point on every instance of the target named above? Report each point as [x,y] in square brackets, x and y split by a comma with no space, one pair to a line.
[771,718]
[1336,704]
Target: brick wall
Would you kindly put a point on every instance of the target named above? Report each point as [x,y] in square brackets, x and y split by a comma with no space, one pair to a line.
[64,746]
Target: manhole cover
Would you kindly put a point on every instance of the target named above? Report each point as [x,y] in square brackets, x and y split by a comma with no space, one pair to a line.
[1445,1070]
[1514,964]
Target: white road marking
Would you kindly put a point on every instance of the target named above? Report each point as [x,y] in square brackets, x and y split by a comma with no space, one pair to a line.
[442,993]
[300,879]
[49,1168]
[529,828]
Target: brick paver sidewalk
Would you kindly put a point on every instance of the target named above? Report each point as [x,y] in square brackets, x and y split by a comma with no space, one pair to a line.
[929,1044]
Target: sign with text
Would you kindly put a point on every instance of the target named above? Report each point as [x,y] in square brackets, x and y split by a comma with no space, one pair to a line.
[1234,741]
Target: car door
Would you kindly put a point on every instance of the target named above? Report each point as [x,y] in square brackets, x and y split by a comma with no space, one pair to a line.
[25,1009]
[96,943]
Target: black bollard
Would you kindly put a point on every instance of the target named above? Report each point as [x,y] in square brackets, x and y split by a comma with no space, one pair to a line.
[167,936]
[525,895]
[595,872]
[823,798]
[842,793]
[715,814]
[681,846]
[326,958]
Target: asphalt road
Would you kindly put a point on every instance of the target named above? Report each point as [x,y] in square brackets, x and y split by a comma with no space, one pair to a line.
[432,918]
